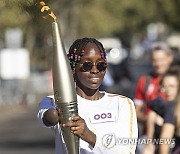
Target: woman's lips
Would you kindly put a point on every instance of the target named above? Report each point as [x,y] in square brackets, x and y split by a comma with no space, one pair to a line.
[94,79]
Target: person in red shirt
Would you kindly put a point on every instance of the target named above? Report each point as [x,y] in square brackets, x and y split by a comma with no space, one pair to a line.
[147,88]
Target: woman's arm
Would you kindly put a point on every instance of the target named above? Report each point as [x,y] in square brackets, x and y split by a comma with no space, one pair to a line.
[48,115]
[51,117]
[167,132]
[151,118]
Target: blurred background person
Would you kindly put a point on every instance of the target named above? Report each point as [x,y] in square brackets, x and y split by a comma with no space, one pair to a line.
[171,126]
[169,85]
[174,43]
[147,88]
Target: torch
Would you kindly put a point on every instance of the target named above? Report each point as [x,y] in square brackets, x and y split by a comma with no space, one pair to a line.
[63,85]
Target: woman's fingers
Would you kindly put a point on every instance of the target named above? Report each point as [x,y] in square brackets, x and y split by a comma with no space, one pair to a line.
[75,121]
[76,118]
[70,124]
[75,130]
[76,125]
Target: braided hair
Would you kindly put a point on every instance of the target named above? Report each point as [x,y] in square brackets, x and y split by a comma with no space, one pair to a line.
[76,50]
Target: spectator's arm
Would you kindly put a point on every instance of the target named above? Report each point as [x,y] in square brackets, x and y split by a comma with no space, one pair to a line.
[139,100]
[140,112]
[151,124]
[149,148]
[167,132]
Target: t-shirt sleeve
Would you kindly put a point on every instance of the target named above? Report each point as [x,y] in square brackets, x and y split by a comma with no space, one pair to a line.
[45,104]
[158,105]
[169,115]
[134,127]
[139,91]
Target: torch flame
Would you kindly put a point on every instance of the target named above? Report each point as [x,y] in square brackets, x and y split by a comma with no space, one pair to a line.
[47,9]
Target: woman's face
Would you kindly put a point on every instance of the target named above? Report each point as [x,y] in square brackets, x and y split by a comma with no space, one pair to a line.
[91,79]
[170,87]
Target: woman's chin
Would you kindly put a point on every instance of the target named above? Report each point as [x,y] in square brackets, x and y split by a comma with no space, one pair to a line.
[94,85]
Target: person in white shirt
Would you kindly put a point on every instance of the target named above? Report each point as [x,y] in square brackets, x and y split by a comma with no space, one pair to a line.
[106,123]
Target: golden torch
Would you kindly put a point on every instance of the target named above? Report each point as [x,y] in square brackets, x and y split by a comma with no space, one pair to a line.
[63,85]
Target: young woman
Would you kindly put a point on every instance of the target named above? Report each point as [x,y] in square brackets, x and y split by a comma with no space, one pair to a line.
[169,84]
[100,114]
[171,126]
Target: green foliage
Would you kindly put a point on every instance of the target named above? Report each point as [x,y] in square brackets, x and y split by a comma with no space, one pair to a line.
[11,14]
[94,18]
[99,18]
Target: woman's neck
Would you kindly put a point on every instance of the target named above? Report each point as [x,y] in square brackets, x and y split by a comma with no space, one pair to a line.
[90,94]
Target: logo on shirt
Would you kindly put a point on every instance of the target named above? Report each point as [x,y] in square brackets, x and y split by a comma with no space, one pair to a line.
[150,89]
[109,140]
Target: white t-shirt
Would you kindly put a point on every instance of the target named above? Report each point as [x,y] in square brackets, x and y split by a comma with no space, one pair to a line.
[112,118]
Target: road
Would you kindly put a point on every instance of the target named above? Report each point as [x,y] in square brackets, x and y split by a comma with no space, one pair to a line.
[20,133]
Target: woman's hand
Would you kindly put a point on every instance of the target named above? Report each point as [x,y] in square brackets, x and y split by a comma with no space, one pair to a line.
[51,117]
[78,127]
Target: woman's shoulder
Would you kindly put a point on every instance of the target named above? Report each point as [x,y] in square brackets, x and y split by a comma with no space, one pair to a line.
[121,98]
[114,95]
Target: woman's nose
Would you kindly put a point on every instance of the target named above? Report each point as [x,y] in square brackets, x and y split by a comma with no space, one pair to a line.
[94,69]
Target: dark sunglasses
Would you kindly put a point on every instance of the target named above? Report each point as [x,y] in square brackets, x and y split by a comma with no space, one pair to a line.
[87,66]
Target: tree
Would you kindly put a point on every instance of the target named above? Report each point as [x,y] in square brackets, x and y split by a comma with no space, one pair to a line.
[79,18]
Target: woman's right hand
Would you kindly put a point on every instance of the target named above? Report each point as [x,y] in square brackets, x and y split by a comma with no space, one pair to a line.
[51,117]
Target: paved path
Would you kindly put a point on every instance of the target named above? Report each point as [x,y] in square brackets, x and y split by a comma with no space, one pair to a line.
[20,133]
